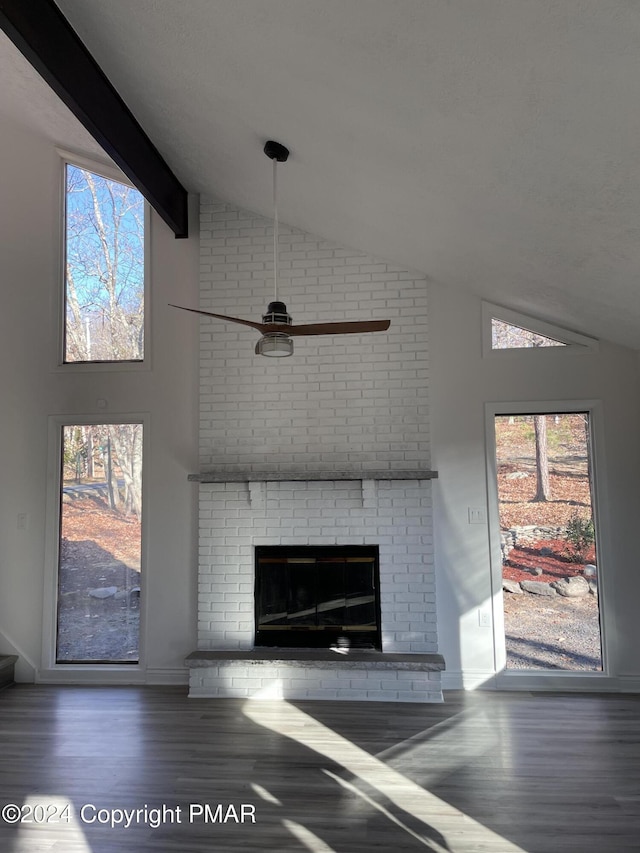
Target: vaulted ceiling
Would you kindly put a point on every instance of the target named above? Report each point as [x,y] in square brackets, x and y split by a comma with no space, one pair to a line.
[492,145]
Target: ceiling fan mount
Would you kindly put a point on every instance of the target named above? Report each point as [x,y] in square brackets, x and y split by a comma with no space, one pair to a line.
[276,151]
[277,327]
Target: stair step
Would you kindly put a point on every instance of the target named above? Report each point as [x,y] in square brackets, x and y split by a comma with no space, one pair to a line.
[7,667]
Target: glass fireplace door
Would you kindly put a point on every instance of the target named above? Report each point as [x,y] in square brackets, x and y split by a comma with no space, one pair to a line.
[315,597]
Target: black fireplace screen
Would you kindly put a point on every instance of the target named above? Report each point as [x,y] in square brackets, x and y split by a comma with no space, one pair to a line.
[317,596]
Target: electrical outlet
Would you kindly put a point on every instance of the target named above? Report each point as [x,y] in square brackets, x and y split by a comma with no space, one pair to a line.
[484,618]
[476,515]
[22,522]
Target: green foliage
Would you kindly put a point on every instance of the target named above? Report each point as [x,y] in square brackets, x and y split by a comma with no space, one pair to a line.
[580,535]
[528,432]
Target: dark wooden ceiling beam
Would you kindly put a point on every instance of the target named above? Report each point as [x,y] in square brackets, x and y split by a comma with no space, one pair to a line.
[42,33]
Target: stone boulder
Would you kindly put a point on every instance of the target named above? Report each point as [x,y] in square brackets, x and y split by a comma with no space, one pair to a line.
[103,592]
[537,588]
[574,587]
[511,586]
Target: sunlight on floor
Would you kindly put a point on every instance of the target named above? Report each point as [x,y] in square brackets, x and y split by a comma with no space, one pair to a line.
[48,812]
[306,837]
[267,796]
[432,844]
[436,817]
[444,748]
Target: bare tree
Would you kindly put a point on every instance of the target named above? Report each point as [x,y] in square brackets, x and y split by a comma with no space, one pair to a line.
[543,491]
[104,269]
[127,441]
[104,308]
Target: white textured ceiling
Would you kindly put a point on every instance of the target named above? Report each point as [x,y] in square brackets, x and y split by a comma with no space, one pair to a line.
[26,100]
[493,145]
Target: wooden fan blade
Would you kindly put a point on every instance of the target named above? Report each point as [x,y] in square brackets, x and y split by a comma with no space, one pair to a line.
[351,327]
[261,327]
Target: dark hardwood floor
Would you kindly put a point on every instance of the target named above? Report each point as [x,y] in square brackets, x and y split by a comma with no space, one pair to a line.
[491,772]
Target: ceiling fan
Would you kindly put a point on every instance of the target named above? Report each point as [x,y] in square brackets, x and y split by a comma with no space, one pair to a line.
[277,327]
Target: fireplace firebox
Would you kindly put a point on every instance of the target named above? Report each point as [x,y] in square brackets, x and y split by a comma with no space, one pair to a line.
[317,596]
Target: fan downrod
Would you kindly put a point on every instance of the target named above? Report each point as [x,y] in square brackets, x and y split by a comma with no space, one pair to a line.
[276,151]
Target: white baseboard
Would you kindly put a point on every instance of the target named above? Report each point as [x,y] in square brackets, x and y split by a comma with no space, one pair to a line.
[467,680]
[113,675]
[91,675]
[543,682]
[178,676]
[557,682]
[629,683]
[25,668]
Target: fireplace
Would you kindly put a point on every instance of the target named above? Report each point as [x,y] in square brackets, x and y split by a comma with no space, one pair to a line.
[317,596]
[329,449]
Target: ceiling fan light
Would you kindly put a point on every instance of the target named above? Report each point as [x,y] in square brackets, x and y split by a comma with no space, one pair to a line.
[275,345]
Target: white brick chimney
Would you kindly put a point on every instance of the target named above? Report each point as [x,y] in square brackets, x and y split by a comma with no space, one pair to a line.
[348,405]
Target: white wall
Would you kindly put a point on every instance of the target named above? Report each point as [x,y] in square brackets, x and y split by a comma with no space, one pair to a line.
[31,390]
[461,383]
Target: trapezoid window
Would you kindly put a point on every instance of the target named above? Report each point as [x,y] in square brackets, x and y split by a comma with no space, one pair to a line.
[104,269]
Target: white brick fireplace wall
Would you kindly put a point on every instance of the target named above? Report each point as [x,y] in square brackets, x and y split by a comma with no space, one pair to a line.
[353,404]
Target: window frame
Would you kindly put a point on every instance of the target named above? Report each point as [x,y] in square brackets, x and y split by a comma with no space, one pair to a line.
[111,172]
[551,679]
[574,342]
[51,670]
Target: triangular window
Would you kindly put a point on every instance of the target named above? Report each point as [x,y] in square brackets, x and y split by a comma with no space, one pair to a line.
[507,336]
[505,330]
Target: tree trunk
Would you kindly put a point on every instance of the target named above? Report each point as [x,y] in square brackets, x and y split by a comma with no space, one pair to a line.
[113,491]
[87,434]
[127,442]
[543,491]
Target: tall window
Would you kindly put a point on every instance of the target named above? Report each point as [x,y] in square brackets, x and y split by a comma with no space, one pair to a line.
[100,544]
[104,269]
[550,566]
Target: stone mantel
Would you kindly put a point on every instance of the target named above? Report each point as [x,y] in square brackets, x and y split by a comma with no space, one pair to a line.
[319,658]
[307,476]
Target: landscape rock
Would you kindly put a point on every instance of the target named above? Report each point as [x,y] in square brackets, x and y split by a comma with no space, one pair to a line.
[511,586]
[537,588]
[103,592]
[531,533]
[574,587]
[506,545]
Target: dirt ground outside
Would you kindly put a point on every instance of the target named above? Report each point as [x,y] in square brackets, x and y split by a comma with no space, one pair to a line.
[547,632]
[98,580]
